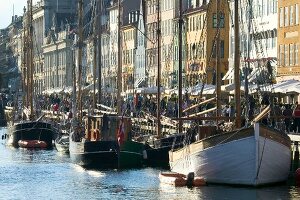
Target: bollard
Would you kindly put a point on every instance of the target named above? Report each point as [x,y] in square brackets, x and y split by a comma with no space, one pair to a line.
[296,157]
[190,178]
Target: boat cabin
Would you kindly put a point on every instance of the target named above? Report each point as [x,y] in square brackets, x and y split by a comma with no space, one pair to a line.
[106,127]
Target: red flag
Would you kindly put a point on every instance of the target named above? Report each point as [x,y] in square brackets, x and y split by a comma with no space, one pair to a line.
[120,134]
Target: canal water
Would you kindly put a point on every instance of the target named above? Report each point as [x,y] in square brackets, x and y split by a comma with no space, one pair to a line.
[46,174]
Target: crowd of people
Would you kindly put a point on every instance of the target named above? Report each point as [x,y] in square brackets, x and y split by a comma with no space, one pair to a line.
[132,106]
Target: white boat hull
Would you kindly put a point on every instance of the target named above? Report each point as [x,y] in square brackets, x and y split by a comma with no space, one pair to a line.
[245,161]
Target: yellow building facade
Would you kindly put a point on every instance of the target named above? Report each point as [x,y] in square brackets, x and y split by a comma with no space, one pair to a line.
[128,52]
[288,40]
[201,37]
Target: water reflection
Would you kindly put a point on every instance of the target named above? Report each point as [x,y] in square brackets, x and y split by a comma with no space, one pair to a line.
[37,174]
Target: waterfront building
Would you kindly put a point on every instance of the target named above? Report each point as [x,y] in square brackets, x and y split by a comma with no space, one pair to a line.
[288,66]
[168,14]
[48,14]
[129,43]
[4,57]
[15,53]
[127,6]
[140,71]
[58,60]
[151,42]
[11,54]
[113,46]
[258,38]
[201,25]
[105,53]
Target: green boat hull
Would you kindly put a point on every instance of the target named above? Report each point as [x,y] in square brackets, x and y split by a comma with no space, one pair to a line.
[131,155]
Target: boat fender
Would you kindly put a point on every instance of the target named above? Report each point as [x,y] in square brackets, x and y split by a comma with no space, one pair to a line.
[190,178]
[145,155]
[297,177]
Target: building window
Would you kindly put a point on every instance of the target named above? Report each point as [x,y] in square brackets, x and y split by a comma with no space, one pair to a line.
[286,55]
[221,21]
[222,48]
[286,16]
[281,55]
[296,14]
[281,17]
[292,15]
[291,54]
[296,54]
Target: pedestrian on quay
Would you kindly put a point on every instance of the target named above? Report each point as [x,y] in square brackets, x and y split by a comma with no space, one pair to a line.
[296,115]
[288,114]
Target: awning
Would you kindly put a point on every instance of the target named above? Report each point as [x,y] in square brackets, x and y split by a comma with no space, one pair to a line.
[286,86]
[175,91]
[139,81]
[149,90]
[208,89]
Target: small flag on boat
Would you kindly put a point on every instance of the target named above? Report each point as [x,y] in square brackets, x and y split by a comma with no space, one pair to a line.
[120,134]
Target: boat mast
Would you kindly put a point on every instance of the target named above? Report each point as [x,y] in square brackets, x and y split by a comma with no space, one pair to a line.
[24,63]
[31,60]
[218,66]
[79,64]
[180,66]
[246,70]
[158,128]
[119,71]
[99,51]
[95,54]
[237,65]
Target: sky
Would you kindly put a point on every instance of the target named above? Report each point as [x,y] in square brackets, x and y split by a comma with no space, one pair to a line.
[6,10]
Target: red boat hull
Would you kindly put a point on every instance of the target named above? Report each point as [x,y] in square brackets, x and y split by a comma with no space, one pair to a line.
[32,144]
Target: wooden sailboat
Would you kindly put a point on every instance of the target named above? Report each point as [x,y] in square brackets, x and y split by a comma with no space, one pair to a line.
[30,132]
[105,141]
[251,155]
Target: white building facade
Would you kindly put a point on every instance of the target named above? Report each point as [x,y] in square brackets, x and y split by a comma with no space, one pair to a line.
[258,38]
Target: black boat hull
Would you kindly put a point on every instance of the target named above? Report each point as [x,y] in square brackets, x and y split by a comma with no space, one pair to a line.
[157,155]
[95,154]
[31,131]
